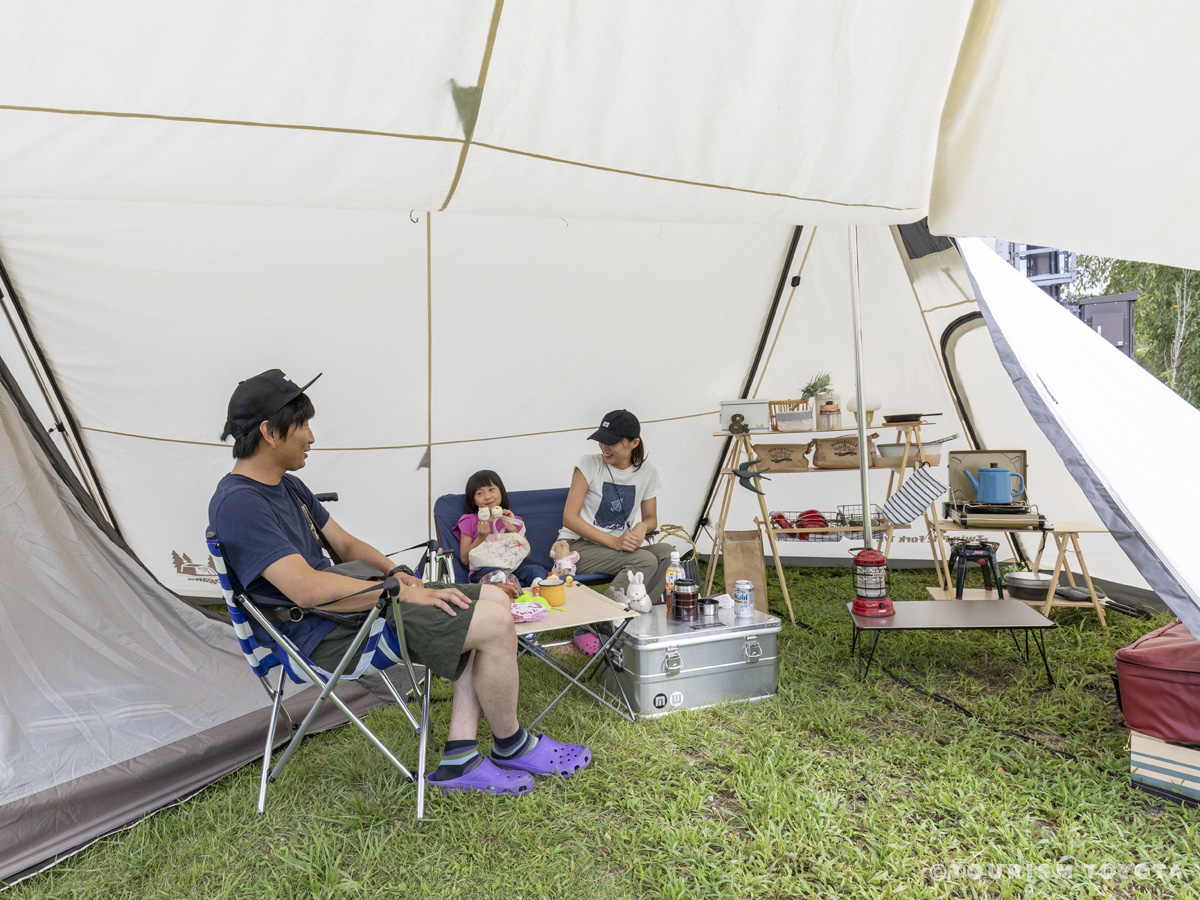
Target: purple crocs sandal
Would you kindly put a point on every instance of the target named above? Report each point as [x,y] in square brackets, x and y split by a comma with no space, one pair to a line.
[549,757]
[486,778]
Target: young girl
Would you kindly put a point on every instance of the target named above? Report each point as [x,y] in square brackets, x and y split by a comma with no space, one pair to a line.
[611,506]
[485,491]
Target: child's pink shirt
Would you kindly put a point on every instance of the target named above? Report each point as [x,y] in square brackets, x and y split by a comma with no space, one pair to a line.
[468,524]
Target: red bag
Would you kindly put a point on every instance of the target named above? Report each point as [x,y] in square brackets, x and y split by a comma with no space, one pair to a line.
[1159,678]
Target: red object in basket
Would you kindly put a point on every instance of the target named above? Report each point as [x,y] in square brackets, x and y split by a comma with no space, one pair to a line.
[779,520]
[810,518]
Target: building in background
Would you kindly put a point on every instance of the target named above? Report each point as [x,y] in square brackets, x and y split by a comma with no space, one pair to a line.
[1047,267]
[1050,269]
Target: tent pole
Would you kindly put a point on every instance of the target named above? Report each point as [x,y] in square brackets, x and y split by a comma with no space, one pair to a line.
[863,460]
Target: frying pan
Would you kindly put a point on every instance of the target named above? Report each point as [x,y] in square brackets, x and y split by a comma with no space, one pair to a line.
[901,418]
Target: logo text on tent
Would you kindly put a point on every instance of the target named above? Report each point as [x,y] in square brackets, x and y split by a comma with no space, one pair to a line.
[193,570]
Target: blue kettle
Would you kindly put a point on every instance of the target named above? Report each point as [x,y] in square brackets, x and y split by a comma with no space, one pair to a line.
[995,484]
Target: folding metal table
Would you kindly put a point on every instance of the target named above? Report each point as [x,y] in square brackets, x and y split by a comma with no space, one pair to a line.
[963,615]
[583,607]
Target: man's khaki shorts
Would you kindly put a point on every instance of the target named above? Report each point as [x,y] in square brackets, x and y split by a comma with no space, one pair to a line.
[434,638]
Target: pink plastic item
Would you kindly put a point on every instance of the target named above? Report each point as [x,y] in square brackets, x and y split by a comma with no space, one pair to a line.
[529,612]
[587,642]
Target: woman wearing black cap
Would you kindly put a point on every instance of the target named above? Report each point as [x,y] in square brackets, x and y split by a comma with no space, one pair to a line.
[611,506]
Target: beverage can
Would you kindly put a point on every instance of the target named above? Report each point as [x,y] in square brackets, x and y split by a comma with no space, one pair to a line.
[743,599]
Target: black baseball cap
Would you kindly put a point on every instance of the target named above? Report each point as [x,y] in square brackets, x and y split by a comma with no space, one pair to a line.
[257,399]
[620,423]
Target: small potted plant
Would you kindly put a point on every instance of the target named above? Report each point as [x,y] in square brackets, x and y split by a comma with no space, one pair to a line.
[825,402]
[817,385]
[802,416]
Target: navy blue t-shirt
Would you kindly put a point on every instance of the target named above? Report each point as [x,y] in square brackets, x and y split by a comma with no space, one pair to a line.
[259,524]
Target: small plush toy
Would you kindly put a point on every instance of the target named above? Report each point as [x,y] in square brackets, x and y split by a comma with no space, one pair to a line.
[635,595]
[565,559]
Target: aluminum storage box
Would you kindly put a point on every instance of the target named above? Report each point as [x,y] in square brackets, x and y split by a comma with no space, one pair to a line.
[664,666]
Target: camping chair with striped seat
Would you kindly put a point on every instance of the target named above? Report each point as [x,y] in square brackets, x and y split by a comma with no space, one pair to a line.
[374,649]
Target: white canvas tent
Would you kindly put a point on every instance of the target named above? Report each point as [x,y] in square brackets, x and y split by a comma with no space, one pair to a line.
[405,194]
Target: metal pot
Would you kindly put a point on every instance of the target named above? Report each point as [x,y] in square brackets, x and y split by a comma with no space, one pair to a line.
[707,609]
[1027,585]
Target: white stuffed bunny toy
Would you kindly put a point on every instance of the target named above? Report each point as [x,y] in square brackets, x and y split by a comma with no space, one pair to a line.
[635,595]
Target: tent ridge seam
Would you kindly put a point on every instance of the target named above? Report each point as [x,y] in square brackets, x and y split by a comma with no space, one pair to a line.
[466,144]
[203,120]
[704,184]
[480,83]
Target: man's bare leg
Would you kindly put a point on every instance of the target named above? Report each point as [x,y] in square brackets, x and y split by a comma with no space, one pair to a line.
[489,683]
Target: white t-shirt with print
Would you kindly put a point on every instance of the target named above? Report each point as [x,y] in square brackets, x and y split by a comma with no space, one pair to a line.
[613,502]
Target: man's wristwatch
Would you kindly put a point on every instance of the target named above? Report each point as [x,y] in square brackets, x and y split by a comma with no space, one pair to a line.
[401,568]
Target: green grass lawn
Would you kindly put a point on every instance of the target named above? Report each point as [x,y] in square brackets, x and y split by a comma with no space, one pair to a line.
[835,788]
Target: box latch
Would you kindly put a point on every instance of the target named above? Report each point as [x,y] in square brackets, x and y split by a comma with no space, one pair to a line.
[753,648]
[672,661]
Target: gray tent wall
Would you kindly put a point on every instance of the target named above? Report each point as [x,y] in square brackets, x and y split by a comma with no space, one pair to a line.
[116,699]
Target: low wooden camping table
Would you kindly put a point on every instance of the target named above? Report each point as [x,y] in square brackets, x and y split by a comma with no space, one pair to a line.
[971,615]
[583,606]
[1066,537]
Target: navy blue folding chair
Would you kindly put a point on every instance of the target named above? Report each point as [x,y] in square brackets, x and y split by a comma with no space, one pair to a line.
[542,513]
[374,649]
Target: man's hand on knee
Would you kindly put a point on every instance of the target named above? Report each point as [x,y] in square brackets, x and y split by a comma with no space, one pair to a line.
[444,599]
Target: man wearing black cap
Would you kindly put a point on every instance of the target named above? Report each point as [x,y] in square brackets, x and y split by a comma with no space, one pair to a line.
[270,526]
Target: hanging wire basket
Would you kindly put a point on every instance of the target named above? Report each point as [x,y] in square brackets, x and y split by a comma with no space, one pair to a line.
[850,515]
[808,518]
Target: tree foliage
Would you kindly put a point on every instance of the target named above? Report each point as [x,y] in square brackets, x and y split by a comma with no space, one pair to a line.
[1166,317]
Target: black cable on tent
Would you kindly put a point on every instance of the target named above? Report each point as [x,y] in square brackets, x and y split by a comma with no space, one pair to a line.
[41,369]
[947,335]
[762,344]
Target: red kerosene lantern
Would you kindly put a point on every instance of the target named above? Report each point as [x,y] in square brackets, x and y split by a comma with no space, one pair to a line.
[871,585]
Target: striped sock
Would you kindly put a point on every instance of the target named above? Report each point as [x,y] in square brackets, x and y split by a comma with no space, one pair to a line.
[518,743]
[458,758]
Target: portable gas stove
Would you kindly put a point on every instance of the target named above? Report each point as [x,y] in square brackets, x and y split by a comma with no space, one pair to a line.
[1004,516]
